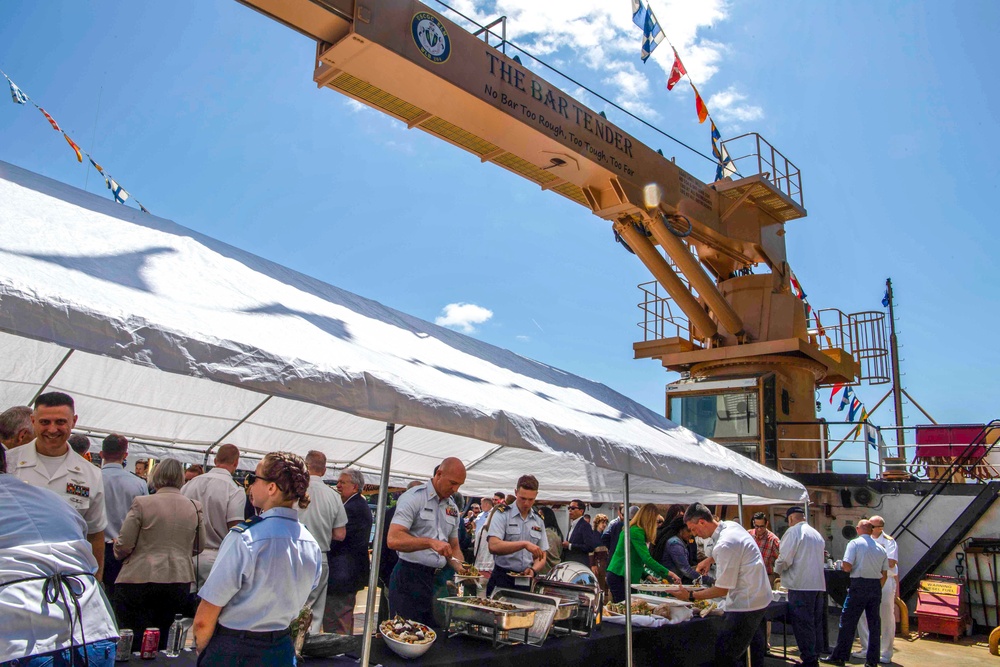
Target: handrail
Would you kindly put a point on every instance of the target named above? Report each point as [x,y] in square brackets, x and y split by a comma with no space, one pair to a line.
[943,481]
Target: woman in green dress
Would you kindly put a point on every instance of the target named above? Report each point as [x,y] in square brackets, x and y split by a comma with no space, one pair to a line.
[642,530]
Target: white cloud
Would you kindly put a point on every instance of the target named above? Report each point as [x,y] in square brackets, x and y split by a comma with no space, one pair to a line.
[463,316]
[728,106]
[355,106]
[601,35]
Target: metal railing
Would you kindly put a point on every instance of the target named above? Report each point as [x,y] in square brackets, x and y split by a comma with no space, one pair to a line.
[662,318]
[846,448]
[761,157]
[862,335]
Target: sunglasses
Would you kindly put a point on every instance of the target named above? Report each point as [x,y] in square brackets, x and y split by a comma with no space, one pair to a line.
[575,507]
[253,477]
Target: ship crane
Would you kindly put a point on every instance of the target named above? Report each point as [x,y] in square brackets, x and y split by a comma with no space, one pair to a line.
[717,251]
[720,311]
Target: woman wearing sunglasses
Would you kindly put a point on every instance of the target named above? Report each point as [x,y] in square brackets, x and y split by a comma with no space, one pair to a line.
[266,568]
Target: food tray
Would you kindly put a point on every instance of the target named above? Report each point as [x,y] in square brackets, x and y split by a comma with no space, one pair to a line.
[461,609]
[656,600]
[664,588]
[547,610]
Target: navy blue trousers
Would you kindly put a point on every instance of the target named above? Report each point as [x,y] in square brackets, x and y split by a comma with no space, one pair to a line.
[230,651]
[411,592]
[864,595]
[807,615]
[742,630]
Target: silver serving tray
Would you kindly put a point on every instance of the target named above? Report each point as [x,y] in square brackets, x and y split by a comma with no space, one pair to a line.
[504,620]
[547,610]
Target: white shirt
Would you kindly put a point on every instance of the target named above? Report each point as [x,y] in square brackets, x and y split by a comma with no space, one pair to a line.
[41,536]
[325,512]
[740,568]
[800,559]
[120,489]
[76,480]
[891,551]
[222,502]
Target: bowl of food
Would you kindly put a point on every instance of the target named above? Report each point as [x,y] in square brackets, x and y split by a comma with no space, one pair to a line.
[407,639]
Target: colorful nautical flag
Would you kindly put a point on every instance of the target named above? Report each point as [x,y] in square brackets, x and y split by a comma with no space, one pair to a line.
[699,105]
[836,389]
[885,298]
[846,399]
[796,287]
[72,144]
[118,191]
[652,34]
[725,167]
[676,72]
[15,93]
[96,166]
[52,121]
[855,408]
[141,207]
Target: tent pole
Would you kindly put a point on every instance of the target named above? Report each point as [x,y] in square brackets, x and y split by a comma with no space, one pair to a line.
[739,518]
[627,532]
[52,376]
[383,491]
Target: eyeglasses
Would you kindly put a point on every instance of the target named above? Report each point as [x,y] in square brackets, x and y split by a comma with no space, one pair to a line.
[252,477]
[878,525]
[576,508]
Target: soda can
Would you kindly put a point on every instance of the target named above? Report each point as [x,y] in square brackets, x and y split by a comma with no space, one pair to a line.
[150,643]
[123,651]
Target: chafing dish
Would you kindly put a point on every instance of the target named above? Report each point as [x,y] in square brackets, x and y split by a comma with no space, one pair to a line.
[463,616]
[576,585]
[547,610]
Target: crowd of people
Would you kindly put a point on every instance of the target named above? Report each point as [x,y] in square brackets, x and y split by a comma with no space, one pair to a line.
[196,543]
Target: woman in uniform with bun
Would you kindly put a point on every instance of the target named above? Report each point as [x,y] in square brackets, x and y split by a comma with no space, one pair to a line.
[266,568]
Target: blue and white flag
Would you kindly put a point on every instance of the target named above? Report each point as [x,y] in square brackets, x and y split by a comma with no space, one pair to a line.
[652,34]
[845,400]
[16,94]
[117,190]
[725,166]
[885,298]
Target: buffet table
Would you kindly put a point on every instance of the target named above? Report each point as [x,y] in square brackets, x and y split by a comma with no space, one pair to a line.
[691,643]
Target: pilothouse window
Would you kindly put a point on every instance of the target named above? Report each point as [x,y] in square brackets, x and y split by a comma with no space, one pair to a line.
[718,416]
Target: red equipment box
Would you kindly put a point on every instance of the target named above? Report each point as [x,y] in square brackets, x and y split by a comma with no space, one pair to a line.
[949,440]
[941,607]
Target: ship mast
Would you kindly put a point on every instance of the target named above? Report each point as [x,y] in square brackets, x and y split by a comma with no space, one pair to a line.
[897,389]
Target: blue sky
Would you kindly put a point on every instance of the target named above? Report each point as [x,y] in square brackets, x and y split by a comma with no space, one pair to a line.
[206,111]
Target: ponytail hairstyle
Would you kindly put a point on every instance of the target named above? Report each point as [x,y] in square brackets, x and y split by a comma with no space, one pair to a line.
[290,474]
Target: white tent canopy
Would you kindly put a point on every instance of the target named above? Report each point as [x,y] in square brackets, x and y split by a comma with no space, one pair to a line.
[171,337]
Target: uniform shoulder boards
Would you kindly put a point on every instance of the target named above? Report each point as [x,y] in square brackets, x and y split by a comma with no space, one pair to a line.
[502,507]
[245,525]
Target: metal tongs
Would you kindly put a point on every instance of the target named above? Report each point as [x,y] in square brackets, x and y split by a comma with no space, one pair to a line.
[697,582]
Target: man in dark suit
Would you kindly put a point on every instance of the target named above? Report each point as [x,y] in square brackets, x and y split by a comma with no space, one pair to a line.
[580,538]
[349,563]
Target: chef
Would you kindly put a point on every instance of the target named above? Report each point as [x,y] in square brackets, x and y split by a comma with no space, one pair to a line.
[517,537]
[424,532]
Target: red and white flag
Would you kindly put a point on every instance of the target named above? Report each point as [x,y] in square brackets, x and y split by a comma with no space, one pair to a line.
[676,72]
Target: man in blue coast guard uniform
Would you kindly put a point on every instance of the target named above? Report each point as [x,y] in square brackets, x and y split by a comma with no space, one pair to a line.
[424,531]
[517,537]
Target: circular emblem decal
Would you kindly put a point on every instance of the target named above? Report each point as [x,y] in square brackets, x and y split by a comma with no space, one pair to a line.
[431,37]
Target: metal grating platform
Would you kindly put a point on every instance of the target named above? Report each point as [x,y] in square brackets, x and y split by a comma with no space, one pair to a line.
[763,193]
